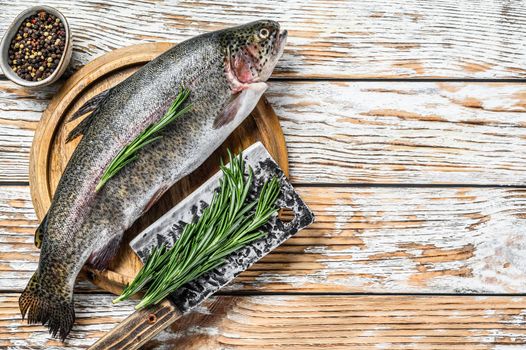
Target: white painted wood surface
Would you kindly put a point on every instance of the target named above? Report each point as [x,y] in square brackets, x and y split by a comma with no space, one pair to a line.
[301,322]
[349,39]
[357,132]
[368,239]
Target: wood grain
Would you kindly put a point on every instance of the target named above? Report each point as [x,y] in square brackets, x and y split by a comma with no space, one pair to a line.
[358,132]
[379,132]
[137,329]
[20,110]
[387,39]
[367,240]
[302,322]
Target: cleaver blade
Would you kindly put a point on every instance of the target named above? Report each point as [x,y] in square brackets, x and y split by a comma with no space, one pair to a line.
[143,324]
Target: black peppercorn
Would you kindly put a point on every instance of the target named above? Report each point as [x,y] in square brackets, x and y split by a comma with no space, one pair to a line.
[36,49]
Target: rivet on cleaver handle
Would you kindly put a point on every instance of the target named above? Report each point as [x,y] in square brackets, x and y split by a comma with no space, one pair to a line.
[144,324]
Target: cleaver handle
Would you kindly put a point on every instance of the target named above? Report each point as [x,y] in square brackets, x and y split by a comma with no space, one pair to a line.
[139,327]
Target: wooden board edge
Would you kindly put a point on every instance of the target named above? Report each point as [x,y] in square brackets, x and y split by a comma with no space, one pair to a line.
[269,126]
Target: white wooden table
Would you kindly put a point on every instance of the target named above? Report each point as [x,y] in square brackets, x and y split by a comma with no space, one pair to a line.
[406,129]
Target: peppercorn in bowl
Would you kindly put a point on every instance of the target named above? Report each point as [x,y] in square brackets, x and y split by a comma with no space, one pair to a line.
[36,48]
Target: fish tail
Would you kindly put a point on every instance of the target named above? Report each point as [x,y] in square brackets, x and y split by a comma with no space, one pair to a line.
[42,306]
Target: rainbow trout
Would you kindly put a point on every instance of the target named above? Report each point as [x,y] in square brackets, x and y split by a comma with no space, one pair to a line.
[225,71]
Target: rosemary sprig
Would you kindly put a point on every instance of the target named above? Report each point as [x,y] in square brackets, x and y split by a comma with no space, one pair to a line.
[129,152]
[230,222]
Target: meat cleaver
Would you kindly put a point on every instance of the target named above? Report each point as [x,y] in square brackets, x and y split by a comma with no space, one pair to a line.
[143,324]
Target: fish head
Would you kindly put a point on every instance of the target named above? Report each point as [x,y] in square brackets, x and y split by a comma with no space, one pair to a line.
[252,51]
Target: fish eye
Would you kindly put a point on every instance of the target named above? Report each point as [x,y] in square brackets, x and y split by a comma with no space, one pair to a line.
[263,33]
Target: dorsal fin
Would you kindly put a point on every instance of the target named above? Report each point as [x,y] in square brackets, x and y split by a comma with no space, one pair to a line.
[90,105]
[40,231]
[81,128]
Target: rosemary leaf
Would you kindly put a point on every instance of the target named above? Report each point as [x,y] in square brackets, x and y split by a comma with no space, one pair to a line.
[230,222]
[147,136]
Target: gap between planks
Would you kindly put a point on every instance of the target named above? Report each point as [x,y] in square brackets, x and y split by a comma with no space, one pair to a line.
[336,79]
[393,38]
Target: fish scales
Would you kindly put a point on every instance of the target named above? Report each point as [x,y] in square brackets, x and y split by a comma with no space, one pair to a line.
[225,72]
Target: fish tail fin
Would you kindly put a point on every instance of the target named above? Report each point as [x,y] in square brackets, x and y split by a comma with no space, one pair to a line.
[41,306]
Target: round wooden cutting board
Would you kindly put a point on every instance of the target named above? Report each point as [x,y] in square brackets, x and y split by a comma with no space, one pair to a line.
[50,153]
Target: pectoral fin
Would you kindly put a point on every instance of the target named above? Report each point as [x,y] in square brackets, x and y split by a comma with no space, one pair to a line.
[157,195]
[241,105]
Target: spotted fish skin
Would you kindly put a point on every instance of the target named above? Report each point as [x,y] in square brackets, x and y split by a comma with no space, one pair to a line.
[225,72]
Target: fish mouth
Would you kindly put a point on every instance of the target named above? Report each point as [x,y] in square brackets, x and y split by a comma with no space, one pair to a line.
[281,41]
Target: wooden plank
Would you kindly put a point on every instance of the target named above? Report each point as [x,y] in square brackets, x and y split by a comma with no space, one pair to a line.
[379,132]
[357,132]
[301,322]
[20,111]
[387,39]
[370,240]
